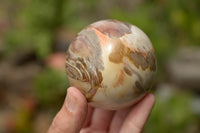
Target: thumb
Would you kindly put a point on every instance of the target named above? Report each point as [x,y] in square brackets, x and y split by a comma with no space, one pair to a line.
[72,114]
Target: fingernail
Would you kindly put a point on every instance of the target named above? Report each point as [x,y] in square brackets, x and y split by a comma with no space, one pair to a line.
[71,101]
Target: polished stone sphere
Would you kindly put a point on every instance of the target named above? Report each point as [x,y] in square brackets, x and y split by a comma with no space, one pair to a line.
[112,63]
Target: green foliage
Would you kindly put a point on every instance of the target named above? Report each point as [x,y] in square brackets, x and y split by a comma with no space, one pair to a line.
[23,121]
[173,115]
[41,19]
[50,86]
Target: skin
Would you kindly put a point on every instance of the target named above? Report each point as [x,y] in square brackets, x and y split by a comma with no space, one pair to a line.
[76,116]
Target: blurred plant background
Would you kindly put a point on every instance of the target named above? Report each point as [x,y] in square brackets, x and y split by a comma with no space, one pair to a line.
[34,36]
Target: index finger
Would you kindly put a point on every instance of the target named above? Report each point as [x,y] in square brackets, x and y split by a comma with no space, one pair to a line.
[138,116]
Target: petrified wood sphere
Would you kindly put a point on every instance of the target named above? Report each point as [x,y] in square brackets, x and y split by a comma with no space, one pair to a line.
[112,63]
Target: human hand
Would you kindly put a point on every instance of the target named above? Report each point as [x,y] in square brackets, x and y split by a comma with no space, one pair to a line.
[76,116]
